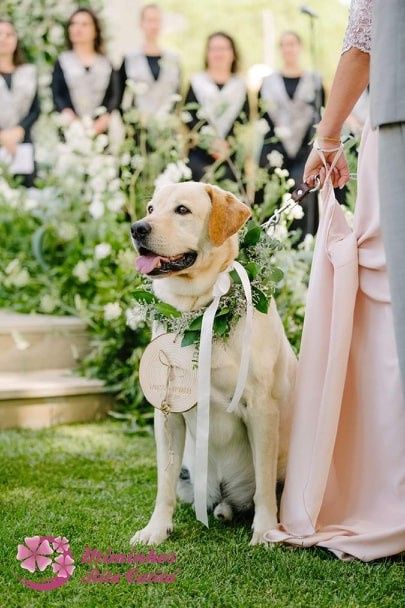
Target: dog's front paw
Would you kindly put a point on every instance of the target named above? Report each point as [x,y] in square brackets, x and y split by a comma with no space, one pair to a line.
[260,526]
[151,535]
[258,539]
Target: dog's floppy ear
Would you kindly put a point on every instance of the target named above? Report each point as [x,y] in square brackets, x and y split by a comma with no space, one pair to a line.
[228,215]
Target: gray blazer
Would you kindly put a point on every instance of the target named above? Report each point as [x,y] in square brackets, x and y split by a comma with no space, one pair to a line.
[387,70]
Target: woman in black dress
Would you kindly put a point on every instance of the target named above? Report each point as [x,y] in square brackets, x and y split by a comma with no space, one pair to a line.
[154,73]
[83,81]
[291,100]
[222,102]
[19,105]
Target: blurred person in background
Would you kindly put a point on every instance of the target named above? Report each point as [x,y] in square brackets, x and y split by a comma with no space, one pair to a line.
[19,105]
[83,81]
[153,73]
[291,101]
[219,101]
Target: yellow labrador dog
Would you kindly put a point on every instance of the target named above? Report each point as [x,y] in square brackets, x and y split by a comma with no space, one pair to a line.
[187,238]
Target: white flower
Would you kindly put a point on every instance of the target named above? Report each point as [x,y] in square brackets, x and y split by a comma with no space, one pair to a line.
[17,276]
[186,116]
[56,35]
[281,172]
[201,115]
[98,183]
[30,204]
[138,162]
[290,182]
[13,266]
[114,185]
[100,111]
[81,271]
[308,242]
[102,250]
[135,316]
[112,311]
[175,98]
[280,232]
[21,279]
[207,131]
[66,231]
[125,159]
[101,142]
[275,158]
[96,209]
[48,303]
[174,173]
[116,202]
[262,126]
[296,213]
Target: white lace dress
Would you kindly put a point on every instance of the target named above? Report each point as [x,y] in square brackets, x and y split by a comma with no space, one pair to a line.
[358,32]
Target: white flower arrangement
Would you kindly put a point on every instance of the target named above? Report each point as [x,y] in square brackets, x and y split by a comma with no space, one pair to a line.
[275,158]
[102,251]
[174,173]
[112,311]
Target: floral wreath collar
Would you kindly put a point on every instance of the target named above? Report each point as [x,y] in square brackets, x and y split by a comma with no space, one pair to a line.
[255,253]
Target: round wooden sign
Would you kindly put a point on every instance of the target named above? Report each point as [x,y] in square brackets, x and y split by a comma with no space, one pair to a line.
[168,374]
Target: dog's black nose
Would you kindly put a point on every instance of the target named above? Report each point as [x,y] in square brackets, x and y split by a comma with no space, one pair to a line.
[140,230]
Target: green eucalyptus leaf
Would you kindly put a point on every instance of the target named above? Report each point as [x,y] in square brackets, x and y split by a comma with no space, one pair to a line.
[141,295]
[196,324]
[167,309]
[277,274]
[190,337]
[260,301]
[221,326]
[252,269]
[252,237]
[234,276]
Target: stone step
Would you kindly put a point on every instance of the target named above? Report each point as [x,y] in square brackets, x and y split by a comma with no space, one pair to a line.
[34,342]
[39,399]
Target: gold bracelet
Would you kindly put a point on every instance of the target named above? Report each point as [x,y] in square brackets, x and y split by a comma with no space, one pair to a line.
[334,140]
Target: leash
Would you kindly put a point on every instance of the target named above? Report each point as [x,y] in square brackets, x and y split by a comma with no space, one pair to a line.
[297,196]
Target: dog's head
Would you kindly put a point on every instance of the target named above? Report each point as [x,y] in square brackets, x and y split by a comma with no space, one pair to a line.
[185,224]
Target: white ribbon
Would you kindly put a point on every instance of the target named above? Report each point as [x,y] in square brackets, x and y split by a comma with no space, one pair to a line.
[221,287]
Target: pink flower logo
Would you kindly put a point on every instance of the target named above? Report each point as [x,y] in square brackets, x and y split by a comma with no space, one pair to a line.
[39,552]
[34,554]
[61,544]
[63,565]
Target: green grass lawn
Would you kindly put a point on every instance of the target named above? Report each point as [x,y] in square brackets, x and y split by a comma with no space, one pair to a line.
[95,485]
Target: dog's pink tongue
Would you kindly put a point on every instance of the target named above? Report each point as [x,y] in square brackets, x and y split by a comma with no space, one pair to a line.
[146,263]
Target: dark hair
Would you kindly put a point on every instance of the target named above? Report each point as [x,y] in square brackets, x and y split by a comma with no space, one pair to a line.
[18,55]
[99,39]
[146,7]
[235,62]
[291,33]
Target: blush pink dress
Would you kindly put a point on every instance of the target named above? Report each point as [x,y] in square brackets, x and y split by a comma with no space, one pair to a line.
[345,480]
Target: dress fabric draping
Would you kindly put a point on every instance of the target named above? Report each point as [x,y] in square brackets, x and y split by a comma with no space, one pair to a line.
[345,479]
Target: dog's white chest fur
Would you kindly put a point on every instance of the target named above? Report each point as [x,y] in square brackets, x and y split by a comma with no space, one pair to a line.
[231,467]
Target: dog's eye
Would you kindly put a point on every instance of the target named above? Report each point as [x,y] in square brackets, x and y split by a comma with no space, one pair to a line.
[150,209]
[182,210]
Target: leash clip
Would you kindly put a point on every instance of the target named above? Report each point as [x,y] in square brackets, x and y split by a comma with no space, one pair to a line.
[296,197]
